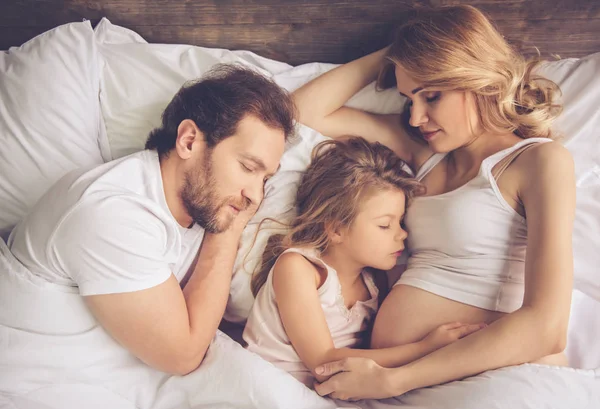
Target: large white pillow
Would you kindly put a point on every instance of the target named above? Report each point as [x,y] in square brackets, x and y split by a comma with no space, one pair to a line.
[137,82]
[579,126]
[139,79]
[50,120]
[579,129]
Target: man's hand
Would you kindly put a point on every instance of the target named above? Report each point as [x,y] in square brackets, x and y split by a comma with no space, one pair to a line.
[356,378]
[241,220]
[230,238]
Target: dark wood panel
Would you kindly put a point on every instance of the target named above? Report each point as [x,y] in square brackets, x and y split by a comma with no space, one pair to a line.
[26,13]
[299,43]
[302,31]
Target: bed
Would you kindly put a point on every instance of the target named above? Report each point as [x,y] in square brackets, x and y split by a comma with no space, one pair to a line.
[84,82]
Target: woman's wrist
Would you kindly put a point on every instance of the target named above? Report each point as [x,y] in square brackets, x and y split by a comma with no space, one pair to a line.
[382,55]
[396,381]
[372,63]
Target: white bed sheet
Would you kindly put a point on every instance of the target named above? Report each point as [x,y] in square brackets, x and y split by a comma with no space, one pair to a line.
[90,370]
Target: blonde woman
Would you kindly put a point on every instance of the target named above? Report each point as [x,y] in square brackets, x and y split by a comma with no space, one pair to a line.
[490,241]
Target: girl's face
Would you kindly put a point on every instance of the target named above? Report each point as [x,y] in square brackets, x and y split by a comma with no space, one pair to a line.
[376,237]
[447,120]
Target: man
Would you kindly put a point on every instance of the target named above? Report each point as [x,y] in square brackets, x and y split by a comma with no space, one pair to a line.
[123,236]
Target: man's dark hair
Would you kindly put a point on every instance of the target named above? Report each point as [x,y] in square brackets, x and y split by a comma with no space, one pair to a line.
[218,101]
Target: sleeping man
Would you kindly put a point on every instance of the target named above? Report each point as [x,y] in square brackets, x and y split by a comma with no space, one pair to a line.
[92,278]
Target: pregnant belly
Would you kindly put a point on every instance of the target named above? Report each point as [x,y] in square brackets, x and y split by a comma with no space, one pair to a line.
[408,314]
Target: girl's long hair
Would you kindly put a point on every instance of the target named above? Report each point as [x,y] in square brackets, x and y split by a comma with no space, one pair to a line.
[341,176]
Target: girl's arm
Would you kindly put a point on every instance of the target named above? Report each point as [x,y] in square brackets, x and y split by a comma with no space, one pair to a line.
[296,281]
[536,330]
[321,102]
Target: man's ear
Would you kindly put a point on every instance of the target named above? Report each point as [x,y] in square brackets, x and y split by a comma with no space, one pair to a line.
[189,138]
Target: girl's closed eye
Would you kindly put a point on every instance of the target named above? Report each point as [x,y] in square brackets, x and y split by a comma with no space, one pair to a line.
[246,168]
[385,227]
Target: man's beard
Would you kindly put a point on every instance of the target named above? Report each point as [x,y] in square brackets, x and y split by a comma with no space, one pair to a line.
[201,201]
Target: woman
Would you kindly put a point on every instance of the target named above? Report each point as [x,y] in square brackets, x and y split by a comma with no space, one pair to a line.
[491,239]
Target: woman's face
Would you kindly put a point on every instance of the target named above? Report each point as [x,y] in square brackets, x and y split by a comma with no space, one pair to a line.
[447,120]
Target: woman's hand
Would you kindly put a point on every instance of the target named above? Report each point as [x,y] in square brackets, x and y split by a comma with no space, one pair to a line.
[448,333]
[357,378]
[362,378]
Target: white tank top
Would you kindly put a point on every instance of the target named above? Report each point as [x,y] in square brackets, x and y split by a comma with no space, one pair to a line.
[266,336]
[468,244]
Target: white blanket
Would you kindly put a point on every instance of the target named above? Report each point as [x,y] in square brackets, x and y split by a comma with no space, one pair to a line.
[87,369]
[230,376]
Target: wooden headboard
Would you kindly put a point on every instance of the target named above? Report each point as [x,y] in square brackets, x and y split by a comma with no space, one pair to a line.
[299,31]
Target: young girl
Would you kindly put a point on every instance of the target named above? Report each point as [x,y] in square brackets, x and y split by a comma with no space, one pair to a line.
[315,300]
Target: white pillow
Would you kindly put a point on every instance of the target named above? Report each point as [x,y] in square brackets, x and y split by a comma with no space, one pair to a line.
[579,129]
[139,79]
[579,124]
[50,120]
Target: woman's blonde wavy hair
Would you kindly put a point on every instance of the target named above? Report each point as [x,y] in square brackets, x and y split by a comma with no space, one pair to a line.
[457,48]
[341,176]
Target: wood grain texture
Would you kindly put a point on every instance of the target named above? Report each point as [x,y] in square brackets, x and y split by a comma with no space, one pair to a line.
[298,31]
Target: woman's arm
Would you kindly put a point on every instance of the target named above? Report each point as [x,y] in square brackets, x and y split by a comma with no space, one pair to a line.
[296,281]
[321,102]
[536,330]
[326,94]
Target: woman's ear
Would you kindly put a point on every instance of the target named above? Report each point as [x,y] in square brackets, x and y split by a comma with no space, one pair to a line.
[189,137]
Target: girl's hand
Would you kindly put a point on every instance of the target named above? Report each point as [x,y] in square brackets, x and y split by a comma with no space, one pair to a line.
[448,333]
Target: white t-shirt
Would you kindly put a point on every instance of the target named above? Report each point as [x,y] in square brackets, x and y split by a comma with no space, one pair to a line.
[106,230]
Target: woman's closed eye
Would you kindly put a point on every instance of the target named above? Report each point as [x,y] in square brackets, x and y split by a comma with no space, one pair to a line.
[385,227]
[433,97]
